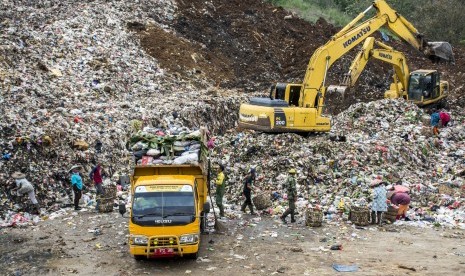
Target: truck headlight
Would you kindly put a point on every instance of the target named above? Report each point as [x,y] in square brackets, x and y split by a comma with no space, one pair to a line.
[139,240]
[191,238]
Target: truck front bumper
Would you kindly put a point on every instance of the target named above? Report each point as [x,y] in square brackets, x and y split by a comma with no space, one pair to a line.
[163,246]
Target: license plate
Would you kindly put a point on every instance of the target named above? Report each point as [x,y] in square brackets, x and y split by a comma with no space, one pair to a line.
[164,251]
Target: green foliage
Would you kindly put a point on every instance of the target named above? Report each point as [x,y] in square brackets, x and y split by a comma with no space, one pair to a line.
[312,10]
[438,20]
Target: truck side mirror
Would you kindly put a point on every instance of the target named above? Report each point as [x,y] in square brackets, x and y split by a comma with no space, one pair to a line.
[206,207]
[122,208]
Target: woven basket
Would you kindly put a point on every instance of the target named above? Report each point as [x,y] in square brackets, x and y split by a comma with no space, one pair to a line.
[313,218]
[360,216]
[262,201]
[107,200]
[109,191]
[390,214]
[106,207]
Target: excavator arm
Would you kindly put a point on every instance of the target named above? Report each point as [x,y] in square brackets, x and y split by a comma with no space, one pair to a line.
[351,35]
[299,107]
[384,53]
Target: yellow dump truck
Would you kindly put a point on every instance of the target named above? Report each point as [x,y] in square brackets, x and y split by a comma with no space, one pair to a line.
[168,210]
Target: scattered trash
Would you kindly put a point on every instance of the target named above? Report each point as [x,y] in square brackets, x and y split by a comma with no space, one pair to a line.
[336,247]
[345,268]
[407,267]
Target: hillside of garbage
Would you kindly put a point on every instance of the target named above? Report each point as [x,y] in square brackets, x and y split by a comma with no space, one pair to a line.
[78,80]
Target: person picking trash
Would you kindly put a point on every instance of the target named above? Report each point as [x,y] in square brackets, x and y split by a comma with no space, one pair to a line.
[247,191]
[401,199]
[96,176]
[23,186]
[76,181]
[291,196]
[220,182]
[445,118]
[435,122]
[379,204]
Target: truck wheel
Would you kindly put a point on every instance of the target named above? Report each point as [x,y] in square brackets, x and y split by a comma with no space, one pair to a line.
[203,223]
[139,257]
[192,256]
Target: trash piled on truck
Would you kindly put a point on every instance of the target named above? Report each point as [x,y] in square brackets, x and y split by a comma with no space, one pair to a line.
[154,146]
[386,138]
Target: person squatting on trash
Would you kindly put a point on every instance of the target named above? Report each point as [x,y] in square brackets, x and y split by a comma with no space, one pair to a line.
[96,176]
[435,122]
[379,204]
[402,199]
[23,186]
[76,181]
[445,118]
[248,184]
[291,196]
[220,182]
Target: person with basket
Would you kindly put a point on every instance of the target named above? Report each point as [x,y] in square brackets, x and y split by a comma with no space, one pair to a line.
[379,204]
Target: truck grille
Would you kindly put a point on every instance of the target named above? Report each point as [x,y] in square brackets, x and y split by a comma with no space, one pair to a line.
[164,241]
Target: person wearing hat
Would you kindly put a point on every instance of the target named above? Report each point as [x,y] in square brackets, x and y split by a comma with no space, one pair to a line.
[220,182]
[401,198]
[76,181]
[379,205]
[247,191]
[291,196]
[23,186]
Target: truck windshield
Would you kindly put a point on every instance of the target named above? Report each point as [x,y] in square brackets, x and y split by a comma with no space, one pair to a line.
[163,204]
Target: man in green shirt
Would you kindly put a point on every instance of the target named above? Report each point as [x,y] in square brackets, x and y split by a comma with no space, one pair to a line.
[291,196]
[220,183]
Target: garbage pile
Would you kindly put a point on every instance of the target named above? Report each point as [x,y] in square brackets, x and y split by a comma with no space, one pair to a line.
[75,85]
[387,138]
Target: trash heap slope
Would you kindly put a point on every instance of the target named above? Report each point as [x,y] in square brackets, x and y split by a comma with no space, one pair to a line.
[74,79]
[384,138]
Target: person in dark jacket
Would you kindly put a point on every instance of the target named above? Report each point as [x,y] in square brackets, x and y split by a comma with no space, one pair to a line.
[247,191]
[96,176]
[291,196]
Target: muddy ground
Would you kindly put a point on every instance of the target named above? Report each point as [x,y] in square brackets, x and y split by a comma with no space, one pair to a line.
[248,245]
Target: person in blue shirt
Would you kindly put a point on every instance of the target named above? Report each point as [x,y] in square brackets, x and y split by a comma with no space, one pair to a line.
[76,181]
[435,122]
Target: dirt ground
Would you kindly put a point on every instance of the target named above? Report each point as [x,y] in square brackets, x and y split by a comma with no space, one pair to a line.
[250,245]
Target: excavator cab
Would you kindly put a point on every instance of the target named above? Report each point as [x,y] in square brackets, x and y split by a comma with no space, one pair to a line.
[286,92]
[425,87]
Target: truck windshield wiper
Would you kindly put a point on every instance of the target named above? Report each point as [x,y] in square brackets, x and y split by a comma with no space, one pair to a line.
[178,214]
[146,215]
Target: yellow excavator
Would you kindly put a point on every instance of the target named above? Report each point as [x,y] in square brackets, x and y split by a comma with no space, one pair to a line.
[422,87]
[299,107]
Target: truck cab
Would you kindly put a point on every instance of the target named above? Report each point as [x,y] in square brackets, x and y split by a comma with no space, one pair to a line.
[168,210]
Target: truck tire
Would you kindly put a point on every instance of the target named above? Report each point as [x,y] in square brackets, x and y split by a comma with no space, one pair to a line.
[192,256]
[203,223]
[139,257]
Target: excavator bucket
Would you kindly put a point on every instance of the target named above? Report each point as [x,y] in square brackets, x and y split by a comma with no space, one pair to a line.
[335,95]
[337,90]
[441,51]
